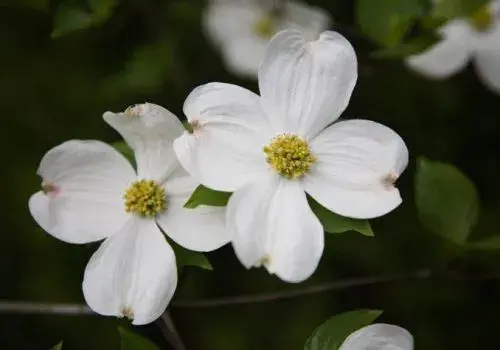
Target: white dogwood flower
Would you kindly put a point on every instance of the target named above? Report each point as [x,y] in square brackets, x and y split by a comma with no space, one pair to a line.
[379,336]
[465,39]
[242,28]
[91,192]
[271,149]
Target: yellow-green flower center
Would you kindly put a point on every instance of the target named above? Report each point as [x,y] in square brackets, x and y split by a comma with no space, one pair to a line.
[145,198]
[482,19]
[265,27]
[289,155]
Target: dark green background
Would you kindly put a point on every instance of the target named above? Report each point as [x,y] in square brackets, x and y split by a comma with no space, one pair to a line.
[154,50]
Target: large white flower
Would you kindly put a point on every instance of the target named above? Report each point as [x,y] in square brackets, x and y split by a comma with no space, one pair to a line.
[91,192]
[269,149]
[379,336]
[463,39]
[242,28]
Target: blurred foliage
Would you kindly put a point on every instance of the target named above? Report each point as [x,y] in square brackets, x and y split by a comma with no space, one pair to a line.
[114,54]
[131,341]
[387,22]
[331,334]
[58,346]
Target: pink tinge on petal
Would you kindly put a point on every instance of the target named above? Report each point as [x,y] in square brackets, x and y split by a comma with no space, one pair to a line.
[50,188]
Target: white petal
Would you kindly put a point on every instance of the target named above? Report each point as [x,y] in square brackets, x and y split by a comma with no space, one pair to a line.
[311,20]
[379,336]
[356,162]
[271,224]
[488,61]
[225,149]
[133,273]
[307,85]
[149,130]
[244,56]
[89,179]
[199,229]
[225,22]
[449,55]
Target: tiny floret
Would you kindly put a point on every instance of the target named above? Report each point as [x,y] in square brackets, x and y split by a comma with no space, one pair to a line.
[264,261]
[50,188]
[194,125]
[127,312]
[133,111]
[482,19]
[289,155]
[145,198]
[265,27]
[390,180]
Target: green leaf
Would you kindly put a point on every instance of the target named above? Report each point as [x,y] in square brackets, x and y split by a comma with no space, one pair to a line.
[102,9]
[447,201]
[148,67]
[58,346]
[125,150]
[490,243]
[70,18]
[41,5]
[448,9]
[205,196]
[387,22]
[187,126]
[411,47]
[132,341]
[334,223]
[331,334]
[186,257]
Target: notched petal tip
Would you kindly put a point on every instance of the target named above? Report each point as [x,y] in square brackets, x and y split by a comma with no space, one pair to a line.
[127,312]
[50,188]
[389,181]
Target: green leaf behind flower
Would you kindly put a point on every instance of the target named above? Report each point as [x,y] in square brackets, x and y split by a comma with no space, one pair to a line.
[448,9]
[132,341]
[447,201]
[70,18]
[331,334]
[387,22]
[125,150]
[334,223]
[411,47]
[186,257]
[205,196]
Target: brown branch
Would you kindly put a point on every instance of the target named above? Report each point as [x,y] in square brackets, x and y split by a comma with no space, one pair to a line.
[21,307]
[41,308]
[172,333]
[288,294]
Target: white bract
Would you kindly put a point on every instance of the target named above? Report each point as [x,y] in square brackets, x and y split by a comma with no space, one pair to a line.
[91,192]
[464,39]
[242,28]
[379,336]
[274,148]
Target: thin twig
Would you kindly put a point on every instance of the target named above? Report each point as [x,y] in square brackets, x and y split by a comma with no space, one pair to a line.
[22,307]
[174,335]
[288,294]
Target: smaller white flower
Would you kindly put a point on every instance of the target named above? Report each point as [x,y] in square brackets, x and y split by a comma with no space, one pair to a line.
[463,39]
[243,28]
[379,336]
[91,192]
